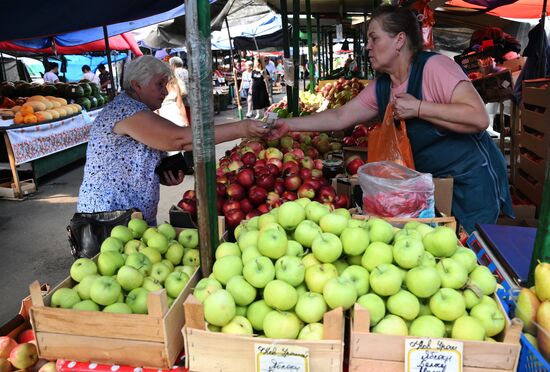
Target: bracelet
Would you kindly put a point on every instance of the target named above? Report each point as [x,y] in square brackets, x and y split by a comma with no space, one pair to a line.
[419,105]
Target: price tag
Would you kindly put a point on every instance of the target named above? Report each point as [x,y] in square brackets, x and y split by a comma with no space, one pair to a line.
[86,116]
[433,355]
[273,358]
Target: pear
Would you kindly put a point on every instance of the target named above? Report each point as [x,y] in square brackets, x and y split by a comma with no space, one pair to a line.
[532,340]
[542,281]
[526,310]
[543,336]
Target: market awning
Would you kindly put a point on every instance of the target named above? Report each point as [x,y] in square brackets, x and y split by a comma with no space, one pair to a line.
[522,9]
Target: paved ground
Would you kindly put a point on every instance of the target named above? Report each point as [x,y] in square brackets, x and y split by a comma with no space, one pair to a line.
[33,239]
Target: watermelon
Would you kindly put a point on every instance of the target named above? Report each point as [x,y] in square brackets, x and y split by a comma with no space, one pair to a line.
[7,89]
[23,89]
[100,101]
[86,88]
[48,90]
[85,103]
[95,89]
[93,101]
[74,91]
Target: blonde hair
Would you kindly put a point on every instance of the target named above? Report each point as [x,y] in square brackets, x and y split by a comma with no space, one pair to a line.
[142,70]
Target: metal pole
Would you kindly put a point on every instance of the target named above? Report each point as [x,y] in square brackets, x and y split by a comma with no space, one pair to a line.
[319,46]
[111,90]
[296,55]
[199,56]
[310,48]
[326,52]
[235,75]
[286,49]
[330,52]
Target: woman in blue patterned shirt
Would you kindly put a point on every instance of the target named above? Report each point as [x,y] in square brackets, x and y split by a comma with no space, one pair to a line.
[127,140]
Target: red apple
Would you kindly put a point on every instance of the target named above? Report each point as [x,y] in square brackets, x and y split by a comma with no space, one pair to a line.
[291,170]
[316,173]
[293,182]
[246,205]
[349,141]
[234,217]
[235,191]
[222,179]
[273,169]
[224,162]
[220,189]
[7,344]
[257,195]
[318,164]
[360,131]
[307,163]
[249,158]
[220,202]
[305,173]
[306,191]
[230,204]
[312,152]
[289,195]
[265,181]
[245,177]
[231,177]
[5,365]
[326,194]
[189,206]
[277,162]
[189,194]
[263,208]
[272,197]
[26,336]
[273,152]
[298,153]
[277,203]
[235,156]
[286,142]
[354,165]
[314,182]
[253,213]
[24,356]
[341,201]
[279,186]
[235,165]
[255,146]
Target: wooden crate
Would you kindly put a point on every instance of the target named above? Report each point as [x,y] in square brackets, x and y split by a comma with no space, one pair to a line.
[8,190]
[379,352]
[400,222]
[536,92]
[537,170]
[532,191]
[146,340]
[212,351]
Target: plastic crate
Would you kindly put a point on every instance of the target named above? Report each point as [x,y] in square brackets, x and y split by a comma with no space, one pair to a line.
[530,360]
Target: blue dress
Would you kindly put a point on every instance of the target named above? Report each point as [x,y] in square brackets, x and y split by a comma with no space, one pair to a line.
[478,167]
[119,171]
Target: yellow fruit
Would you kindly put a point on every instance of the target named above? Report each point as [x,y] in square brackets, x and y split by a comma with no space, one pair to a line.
[542,281]
[543,334]
[36,105]
[43,116]
[18,119]
[30,119]
[526,310]
[62,112]
[70,110]
[55,114]
[15,109]
[26,109]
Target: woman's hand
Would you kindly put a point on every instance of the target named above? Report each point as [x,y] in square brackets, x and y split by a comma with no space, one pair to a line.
[406,106]
[253,128]
[168,178]
[279,129]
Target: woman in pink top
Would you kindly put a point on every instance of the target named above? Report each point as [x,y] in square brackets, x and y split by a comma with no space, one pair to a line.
[446,118]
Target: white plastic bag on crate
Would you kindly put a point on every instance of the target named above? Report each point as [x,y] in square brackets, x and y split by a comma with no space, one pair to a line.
[392,190]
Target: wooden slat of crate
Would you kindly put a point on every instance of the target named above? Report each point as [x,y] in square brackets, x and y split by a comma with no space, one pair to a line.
[361,365]
[532,168]
[399,222]
[537,120]
[534,94]
[540,146]
[531,191]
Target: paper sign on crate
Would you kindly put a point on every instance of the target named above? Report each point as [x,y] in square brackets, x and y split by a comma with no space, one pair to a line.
[273,358]
[433,355]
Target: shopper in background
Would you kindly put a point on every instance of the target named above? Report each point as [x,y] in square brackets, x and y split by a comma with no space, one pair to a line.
[246,87]
[104,77]
[260,96]
[89,75]
[446,118]
[51,75]
[180,71]
[128,139]
[280,71]
[271,69]
[172,107]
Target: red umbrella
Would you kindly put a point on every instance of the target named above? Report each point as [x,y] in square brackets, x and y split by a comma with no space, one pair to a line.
[520,9]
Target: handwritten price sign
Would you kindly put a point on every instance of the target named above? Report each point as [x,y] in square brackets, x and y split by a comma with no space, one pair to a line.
[433,355]
[287,358]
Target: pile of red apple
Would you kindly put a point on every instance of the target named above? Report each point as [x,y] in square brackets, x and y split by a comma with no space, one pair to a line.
[21,355]
[341,91]
[359,136]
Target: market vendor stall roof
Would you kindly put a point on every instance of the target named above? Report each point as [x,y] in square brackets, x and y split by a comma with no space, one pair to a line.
[520,9]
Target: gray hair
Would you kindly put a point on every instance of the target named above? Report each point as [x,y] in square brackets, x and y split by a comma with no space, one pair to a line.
[142,70]
[176,62]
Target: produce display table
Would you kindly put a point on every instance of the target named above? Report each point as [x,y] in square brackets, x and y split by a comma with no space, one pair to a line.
[47,146]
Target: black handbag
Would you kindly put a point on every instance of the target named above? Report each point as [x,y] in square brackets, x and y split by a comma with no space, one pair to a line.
[88,230]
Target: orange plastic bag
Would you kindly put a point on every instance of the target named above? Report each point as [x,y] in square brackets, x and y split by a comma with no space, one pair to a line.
[390,142]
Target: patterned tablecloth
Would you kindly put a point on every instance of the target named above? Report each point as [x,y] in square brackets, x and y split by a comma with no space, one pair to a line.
[37,141]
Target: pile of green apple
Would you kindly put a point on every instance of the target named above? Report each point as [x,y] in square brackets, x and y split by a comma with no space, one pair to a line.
[293,264]
[135,260]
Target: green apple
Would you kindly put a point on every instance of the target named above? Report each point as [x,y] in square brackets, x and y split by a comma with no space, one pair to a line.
[427,259]
[239,325]
[151,284]
[441,242]
[391,325]
[105,291]
[256,313]
[137,300]
[354,222]
[228,249]
[407,233]
[375,305]
[192,257]
[403,304]
[138,227]
[427,326]
[167,230]
[354,260]
[82,268]
[294,248]
[168,264]
[280,295]
[140,262]
[109,262]
[227,267]
[342,212]
[326,247]
[219,308]
[160,272]
[302,288]
[189,270]
[290,269]
[340,264]
[266,219]
[133,246]
[310,260]
[333,223]
[122,233]
[205,287]
[247,239]
[129,277]
[306,232]
[241,310]
[152,254]
[303,201]
[468,328]
[355,240]
[85,285]
[466,257]
[490,317]
[252,224]
[311,307]
[239,229]
[318,275]
[213,328]
[408,252]
[482,278]
[290,214]
[452,274]
[259,271]
[175,283]
[281,325]
[377,253]
[313,331]
[423,281]
[65,298]
[315,211]
[424,309]
[243,292]
[380,230]
[359,276]
[471,299]
[447,304]
[272,243]
[158,241]
[147,233]
[175,253]
[488,300]
[111,244]
[385,280]
[189,238]
[86,305]
[118,308]
[250,254]
[422,228]
[340,292]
